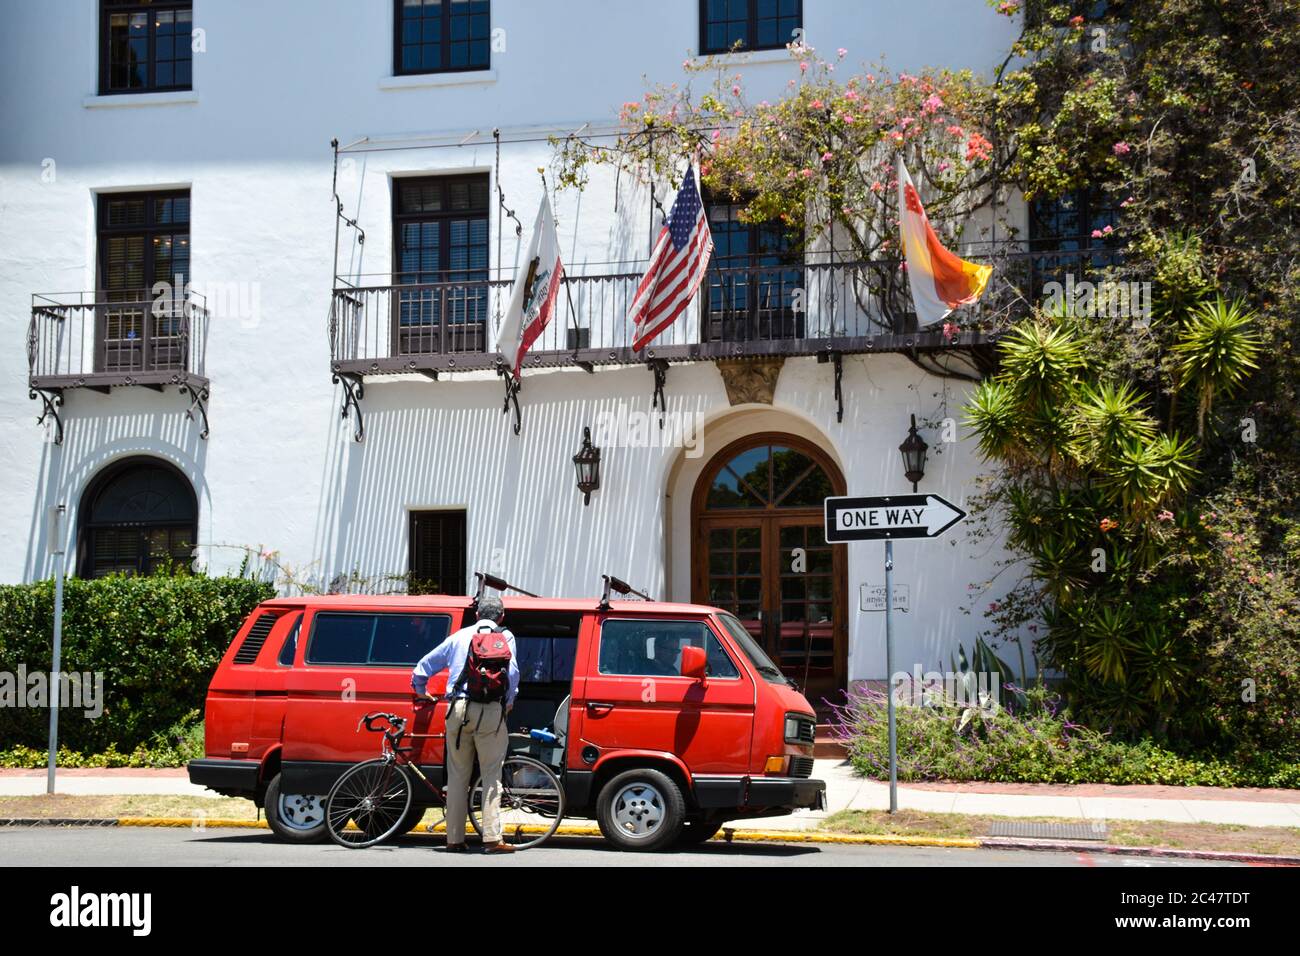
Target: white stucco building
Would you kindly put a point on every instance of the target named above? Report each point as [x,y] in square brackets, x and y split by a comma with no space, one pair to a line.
[218,164]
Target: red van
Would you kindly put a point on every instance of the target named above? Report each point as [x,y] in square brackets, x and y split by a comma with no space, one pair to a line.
[709,737]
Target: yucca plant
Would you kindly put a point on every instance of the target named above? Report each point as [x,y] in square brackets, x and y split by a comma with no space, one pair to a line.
[1216,351]
[1040,359]
[1108,416]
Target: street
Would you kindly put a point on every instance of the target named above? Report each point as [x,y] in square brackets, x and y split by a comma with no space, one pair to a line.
[166,846]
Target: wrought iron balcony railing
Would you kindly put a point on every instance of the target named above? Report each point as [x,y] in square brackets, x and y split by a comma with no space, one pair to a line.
[101,340]
[378,326]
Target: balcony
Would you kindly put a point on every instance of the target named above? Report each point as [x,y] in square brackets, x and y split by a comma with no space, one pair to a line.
[102,341]
[823,309]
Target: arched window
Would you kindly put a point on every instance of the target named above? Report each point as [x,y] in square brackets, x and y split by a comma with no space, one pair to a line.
[136,516]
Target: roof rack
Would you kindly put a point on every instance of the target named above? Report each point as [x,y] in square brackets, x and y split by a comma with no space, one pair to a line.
[619,587]
[486,580]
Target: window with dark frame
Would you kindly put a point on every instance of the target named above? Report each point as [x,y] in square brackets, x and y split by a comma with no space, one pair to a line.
[437,552]
[1066,224]
[744,25]
[144,47]
[441,36]
[144,239]
[440,244]
[752,278]
[136,517]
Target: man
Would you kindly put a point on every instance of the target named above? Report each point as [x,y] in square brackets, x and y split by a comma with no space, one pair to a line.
[473,727]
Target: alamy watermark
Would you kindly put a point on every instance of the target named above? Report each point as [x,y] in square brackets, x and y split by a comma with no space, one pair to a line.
[84,691]
[625,427]
[1100,300]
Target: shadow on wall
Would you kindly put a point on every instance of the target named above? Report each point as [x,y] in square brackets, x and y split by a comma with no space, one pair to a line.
[525,516]
[98,431]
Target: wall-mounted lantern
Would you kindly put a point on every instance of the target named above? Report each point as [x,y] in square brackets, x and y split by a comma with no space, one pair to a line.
[587,464]
[913,449]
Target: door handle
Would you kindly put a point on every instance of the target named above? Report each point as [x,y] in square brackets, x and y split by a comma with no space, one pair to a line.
[599,705]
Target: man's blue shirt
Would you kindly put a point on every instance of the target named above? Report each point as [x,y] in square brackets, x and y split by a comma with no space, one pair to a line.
[451,655]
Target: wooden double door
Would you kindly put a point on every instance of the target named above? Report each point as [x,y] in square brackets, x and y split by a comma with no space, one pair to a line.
[759,552]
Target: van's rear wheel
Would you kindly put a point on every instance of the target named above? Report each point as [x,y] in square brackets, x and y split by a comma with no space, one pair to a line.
[641,809]
[296,817]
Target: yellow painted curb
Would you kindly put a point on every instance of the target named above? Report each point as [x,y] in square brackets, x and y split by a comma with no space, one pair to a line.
[726,835]
[197,823]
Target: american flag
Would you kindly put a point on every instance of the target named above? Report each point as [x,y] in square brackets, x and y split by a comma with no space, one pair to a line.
[677,265]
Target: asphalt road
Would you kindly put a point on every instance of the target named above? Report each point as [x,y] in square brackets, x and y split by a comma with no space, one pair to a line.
[150,846]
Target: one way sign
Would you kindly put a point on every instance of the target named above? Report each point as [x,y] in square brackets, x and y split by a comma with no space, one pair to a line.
[889,516]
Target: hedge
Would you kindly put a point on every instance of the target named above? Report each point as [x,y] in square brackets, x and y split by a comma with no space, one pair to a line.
[156,640]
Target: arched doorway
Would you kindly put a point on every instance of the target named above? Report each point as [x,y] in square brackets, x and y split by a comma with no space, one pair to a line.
[758,550]
[137,515]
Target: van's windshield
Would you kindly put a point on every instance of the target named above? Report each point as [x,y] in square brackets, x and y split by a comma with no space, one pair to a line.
[762,663]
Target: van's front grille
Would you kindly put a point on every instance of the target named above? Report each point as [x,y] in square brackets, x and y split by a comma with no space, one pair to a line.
[805,729]
[801,766]
[257,635]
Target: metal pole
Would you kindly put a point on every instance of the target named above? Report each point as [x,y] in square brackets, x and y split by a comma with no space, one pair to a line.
[53,690]
[889,672]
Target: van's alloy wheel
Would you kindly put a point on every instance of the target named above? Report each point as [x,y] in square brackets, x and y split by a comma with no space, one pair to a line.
[302,811]
[641,809]
[298,818]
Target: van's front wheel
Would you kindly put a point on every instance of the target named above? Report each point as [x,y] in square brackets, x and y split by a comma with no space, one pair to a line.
[296,817]
[641,809]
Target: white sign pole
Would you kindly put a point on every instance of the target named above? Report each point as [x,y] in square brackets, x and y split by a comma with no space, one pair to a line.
[56,545]
[889,670]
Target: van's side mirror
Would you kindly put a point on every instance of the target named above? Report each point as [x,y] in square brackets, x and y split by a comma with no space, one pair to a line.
[694,662]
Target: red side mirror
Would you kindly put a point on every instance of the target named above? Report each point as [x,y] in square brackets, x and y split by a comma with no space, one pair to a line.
[694,662]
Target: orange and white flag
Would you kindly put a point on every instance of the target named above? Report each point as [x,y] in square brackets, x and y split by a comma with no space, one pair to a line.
[940,280]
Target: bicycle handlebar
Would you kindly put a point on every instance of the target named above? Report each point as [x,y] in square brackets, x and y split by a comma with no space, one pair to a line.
[396,724]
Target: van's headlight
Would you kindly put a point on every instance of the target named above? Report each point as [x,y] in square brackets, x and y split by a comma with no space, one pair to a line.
[799,729]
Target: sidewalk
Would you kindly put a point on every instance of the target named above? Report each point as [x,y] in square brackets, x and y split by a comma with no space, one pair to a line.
[845,790]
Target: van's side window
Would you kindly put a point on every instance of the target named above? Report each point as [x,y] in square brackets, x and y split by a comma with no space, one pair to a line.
[654,648]
[290,646]
[379,639]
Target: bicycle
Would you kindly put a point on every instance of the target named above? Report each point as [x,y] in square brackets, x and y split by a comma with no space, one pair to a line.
[371,801]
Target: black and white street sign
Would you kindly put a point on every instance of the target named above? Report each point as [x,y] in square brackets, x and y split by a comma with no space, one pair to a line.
[889,517]
[871,597]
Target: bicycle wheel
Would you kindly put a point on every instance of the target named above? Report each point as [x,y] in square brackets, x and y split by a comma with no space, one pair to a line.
[532,802]
[374,797]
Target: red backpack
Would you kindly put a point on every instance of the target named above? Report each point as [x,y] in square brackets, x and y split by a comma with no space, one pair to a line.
[487,666]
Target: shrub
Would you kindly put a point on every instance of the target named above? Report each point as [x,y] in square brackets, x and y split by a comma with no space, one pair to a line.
[156,640]
[1037,743]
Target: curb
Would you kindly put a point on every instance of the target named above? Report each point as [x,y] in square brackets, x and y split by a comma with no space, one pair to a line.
[1010,843]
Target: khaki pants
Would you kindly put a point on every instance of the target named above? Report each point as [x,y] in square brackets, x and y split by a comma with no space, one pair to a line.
[485,735]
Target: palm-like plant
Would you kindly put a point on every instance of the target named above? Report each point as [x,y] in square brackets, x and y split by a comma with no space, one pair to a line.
[1040,359]
[1109,416]
[1216,351]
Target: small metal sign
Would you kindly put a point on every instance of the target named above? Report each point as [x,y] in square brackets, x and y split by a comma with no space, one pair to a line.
[871,597]
[889,517]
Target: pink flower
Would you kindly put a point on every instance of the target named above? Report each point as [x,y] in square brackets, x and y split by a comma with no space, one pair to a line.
[977,147]
[817,104]
[956,131]
[717,135]
[841,53]
[877,186]
[848,118]
[950,329]
[1096,234]
[827,156]
[932,104]
[805,172]
[943,167]
[1076,22]
[803,67]
[1121,148]
[1166,515]
[1107,524]
[735,91]
[851,95]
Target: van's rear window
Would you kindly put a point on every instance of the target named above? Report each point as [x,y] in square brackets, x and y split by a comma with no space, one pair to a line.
[378,639]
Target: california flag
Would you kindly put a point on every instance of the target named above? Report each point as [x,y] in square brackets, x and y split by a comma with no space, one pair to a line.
[940,280]
[532,300]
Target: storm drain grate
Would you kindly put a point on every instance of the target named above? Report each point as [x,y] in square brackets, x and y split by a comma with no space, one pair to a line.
[1048,831]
